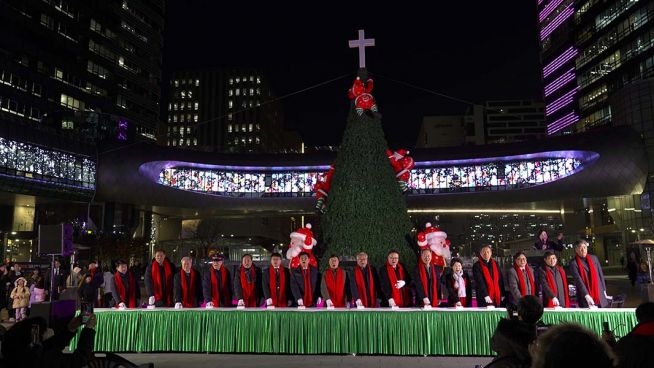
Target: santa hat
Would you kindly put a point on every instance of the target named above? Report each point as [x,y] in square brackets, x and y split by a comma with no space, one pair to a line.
[433,232]
[20,278]
[306,235]
[399,154]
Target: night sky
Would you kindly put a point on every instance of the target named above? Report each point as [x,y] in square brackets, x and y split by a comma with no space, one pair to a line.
[470,50]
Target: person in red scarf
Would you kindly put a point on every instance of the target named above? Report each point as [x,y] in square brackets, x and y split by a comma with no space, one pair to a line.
[247,284]
[276,284]
[489,283]
[336,285]
[159,280]
[459,287]
[553,282]
[304,283]
[635,349]
[126,290]
[587,273]
[217,284]
[187,289]
[365,290]
[393,279]
[427,278]
[521,278]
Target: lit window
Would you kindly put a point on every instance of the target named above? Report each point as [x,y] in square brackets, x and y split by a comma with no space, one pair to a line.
[181,142]
[181,132]
[251,91]
[168,142]
[257,140]
[121,61]
[229,128]
[183,94]
[258,80]
[121,101]
[174,118]
[176,83]
[174,129]
[188,141]
[258,91]
[195,118]
[71,102]
[238,80]
[231,80]
[175,106]
[229,117]
[183,83]
[231,92]
[170,106]
[188,117]
[190,94]
[188,130]
[236,128]
[195,141]
[250,104]
[59,74]
[238,91]
[197,83]
[258,127]
[250,140]
[230,104]
[243,128]
[243,140]
[251,78]
[174,142]
[196,106]
[188,105]
[250,127]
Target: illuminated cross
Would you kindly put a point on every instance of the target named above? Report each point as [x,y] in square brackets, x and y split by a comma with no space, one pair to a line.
[361,44]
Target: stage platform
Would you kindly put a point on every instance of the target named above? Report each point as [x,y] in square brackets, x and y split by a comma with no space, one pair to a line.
[440,331]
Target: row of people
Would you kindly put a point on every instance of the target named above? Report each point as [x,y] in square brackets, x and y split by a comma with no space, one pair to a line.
[364,286]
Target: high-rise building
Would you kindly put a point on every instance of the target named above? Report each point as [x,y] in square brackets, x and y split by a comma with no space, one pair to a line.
[223,110]
[500,121]
[66,62]
[590,50]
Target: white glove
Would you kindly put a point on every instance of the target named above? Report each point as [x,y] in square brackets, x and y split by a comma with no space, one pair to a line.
[241,304]
[359,304]
[151,300]
[391,303]
[269,302]
[330,305]
[122,306]
[400,284]
[319,301]
[458,305]
[555,301]
[589,300]
[270,307]
[608,296]
[488,300]
[426,302]
[178,305]
[209,305]
[300,302]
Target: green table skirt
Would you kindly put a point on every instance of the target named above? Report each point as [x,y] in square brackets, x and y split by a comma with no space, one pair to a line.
[289,331]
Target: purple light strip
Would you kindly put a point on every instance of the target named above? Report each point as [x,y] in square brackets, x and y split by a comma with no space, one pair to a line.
[563,122]
[562,17]
[562,59]
[548,9]
[560,81]
[560,102]
[540,1]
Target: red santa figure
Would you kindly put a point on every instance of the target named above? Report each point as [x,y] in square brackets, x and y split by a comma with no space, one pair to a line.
[436,240]
[360,93]
[322,189]
[302,240]
[402,164]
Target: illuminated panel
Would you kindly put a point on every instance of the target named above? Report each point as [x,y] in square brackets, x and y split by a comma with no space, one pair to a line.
[560,102]
[427,178]
[562,122]
[29,162]
[566,56]
[562,17]
[549,9]
[559,82]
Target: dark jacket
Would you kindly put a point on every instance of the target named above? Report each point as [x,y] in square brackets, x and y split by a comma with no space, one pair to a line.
[238,289]
[511,342]
[196,288]
[420,289]
[149,284]
[356,294]
[635,349]
[386,287]
[297,285]
[481,291]
[266,284]
[581,288]
[452,295]
[225,295]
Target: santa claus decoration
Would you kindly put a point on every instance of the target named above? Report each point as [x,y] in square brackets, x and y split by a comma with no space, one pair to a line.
[402,164]
[321,188]
[435,239]
[360,93]
[302,240]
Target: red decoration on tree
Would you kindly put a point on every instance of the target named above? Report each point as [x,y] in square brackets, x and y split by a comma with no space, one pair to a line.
[321,188]
[360,93]
[402,164]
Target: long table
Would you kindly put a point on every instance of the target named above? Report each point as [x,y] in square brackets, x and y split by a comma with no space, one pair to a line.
[439,331]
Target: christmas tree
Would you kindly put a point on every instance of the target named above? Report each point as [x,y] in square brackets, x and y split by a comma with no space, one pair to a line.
[366,210]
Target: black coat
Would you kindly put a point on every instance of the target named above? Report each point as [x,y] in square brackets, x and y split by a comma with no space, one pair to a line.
[196,288]
[356,294]
[387,288]
[238,289]
[149,284]
[225,295]
[635,350]
[481,291]
[452,295]
[420,291]
[297,285]
[266,284]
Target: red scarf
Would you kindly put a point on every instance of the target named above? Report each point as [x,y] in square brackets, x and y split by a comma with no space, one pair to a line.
[593,288]
[249,294]
[188,293]
[215,290]
[401,296]
[361,287]
[552,284]
[521,279]
[493,286]
[336,287]
[281,301]
[93,271]
[307,298]
[156,281]
[433,286]
[644,329]
[120,289]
